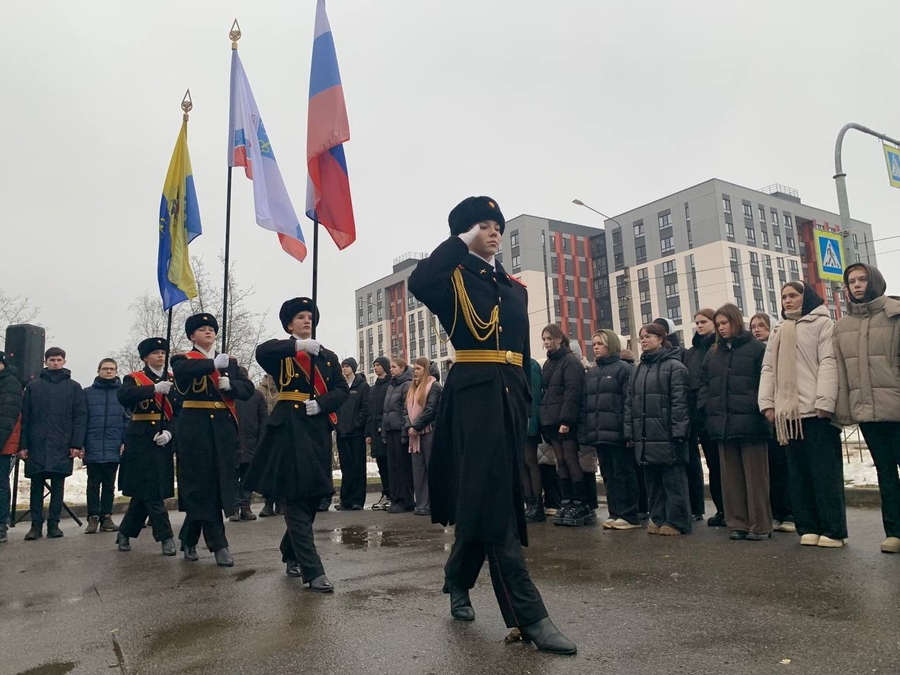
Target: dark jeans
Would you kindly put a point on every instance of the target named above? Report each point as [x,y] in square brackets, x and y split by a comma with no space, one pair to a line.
[379,454]
[779,483]
[298,543]
[714,465]
[57,488]
[817,480]
[243,496]
[138,512]
[519,599]
[420,462]
[883,439]
[620,477]
[400,469]
[694,470]
[643,498]
[5,493]
[101,487]
[667,490]
[352,455]
[213,533]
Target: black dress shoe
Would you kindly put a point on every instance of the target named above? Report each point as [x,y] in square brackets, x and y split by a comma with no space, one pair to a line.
[224,558]
[321,584]
[34,533]
[460,603]
[190,553]
[717,520]
[122,543]
[738,535]
[547,637]
[267,510]
[168,546]
[356,507]
[754,536]
[292,569]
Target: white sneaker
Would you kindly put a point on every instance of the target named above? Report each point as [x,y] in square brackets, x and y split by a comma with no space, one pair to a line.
[608,523]
[786,526]
[891,545]
[809,540]
[828,542]
[622,524]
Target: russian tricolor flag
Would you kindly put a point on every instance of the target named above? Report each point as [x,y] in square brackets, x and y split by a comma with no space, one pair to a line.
[328,188]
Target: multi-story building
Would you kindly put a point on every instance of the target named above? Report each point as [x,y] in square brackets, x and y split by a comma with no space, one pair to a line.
[715,243]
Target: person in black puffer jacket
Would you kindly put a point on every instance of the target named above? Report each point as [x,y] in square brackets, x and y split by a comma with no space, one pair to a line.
[703,340]
[377,447]
[602,425]
[728,394]
[351,439]
[563,380]
[657,422]
[396,439]
[10,432]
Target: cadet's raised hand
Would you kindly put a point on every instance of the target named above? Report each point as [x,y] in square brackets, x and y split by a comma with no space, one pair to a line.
[308,345]
[313,408]
[469,237]
[221,361]
[162,387]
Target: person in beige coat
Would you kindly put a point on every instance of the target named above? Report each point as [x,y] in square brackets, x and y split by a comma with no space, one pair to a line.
[797,393]
[867,346]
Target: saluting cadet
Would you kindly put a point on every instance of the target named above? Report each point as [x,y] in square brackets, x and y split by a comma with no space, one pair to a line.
[206,430]
[293,461]
[147,473]
[480,430]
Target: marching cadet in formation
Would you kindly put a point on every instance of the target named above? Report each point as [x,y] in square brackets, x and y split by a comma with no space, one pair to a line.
[147,473]
[293,461]
[477,455]
[207,433]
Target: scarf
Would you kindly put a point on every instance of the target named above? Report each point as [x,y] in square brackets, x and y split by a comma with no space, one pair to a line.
[787,398]
[414,410]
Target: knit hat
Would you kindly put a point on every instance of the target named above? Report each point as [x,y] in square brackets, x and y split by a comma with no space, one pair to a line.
[350,361]
[198,321]
[150,345]
[293,307]
[384,362]
[474,210]
[668,324]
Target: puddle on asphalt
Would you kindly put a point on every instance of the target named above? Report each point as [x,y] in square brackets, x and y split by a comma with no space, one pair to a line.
[186,634]
[361,537]
[244,574]
[56,668]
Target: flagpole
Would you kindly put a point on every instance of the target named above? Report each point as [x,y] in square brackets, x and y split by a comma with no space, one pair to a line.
[235,35]
[315,299]
[168,345]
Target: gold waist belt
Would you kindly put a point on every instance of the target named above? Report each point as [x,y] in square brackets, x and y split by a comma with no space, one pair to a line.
[292,396]
[488,356]
[146,417]
[218,405]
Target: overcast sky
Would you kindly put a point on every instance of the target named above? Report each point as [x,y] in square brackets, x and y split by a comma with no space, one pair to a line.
[533,103]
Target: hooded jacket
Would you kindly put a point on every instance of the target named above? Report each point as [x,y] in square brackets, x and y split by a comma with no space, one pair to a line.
[54,420]
[106,424]
[10,408]
[395,404]
[729,389]
[603,403]
[693,359]
[867,349]
[377,392]
[562,381]
[354,412]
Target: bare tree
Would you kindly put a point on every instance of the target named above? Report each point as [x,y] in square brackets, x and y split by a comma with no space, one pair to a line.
[14,309]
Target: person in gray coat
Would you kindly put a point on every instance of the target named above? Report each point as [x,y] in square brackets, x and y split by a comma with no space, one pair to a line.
[657,422]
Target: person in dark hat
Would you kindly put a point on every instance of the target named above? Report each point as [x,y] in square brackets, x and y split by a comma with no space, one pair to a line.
[293,460]
[207,431]
[147,473]
[351,439]
[474,477]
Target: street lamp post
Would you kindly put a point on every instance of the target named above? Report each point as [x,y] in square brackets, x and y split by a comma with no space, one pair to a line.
[629,307]
[840,178]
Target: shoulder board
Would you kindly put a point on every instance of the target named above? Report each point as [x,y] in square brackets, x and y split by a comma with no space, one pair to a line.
[517,280]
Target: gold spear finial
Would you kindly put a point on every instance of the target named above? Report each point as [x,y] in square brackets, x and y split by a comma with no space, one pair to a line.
[234,34]
[186,104]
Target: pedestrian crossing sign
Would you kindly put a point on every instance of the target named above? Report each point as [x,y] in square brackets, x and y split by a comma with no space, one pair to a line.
[830,255]
[892,157]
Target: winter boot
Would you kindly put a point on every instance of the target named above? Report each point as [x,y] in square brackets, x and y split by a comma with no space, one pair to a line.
[4,537]
[535,511]
[107,524]
[268,509]
[53,531]
[565,504]
[279,507]
[580,513]
[123,543]
[93,525]
[35,532]
[235,517]
[247,514]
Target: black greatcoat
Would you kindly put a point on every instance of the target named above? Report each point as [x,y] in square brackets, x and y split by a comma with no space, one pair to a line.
[146,470]
[474,476]
[206,439]
[293,460]
[54,420]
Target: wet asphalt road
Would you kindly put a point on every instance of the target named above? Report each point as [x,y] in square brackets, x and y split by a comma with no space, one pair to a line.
[632,603]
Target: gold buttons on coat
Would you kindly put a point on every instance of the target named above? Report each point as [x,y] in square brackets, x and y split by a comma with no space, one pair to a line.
[212,417]
[296,406]
[152,424]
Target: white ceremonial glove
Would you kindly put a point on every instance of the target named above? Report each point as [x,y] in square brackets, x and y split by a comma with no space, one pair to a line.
[313,408]
[162,438]
[224,383]
[162,387]
[469,237]
[309,346]
[221,361]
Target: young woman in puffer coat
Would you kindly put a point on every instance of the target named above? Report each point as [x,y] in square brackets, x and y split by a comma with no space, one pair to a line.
[657,422]
[798,394]
[393,432]
[602,425]
[563,379]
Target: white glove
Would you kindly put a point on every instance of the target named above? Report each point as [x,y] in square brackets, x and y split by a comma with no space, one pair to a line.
[221,361]
[162,387]
[224,383]
[162,438]
[309,346]
[313,408]
[469,237]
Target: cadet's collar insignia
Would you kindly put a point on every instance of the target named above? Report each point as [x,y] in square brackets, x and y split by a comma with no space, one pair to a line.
[483,271]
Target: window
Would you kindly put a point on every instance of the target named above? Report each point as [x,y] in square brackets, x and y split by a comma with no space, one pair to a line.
[569,266]
[646,317]
[619,261]
[620,281]
[775,218]
[729,231]
[665,220]
[514,238]
[795,269]
[770,284]
[739,301]
[748,211]
[735,277]
[788,221]
[617,237]
[645,297]
[751,235]
[554,264]
[754,259]
[790,244]
[855,241]
[687,211]
[568,285]
[777,238]
[767,259]
[640,253]
[726,204]
[642,274]
[669,267]
[667,244]
[674,313]
[760,305]
[781,263]
[565,244]
[552,241]
[757,282]
[671,290]
[639,228]
[833,314]
[762,215]
[516,262]
[765,238]
[732,254]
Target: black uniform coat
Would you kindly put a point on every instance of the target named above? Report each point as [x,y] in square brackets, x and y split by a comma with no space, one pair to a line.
[146,470]
[54,420]
[252,415]
[206,439]
[293,460]
[474,476]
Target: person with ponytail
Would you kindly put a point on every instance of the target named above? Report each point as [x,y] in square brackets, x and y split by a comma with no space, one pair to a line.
[798,393]
[419,414]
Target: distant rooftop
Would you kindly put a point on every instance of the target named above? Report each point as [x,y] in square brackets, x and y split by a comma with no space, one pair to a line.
[407,260]
[783,191]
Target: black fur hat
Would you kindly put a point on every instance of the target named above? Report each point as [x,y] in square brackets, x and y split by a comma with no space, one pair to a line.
[198,321]
[150,345]
[293,307]
[474,210]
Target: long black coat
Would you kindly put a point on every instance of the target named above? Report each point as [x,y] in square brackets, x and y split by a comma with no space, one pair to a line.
[729,389]
[54,420]
[693,359]
[657,418]
[252,415]
[562,378]
[293,460]
[146,470]
[475,471]
[603,404]
[206,439]
[395,404]
[10,403]
[354,413]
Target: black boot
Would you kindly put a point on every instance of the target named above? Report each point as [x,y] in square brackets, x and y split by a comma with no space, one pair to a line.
[565,504]
[547,637]
[224,558]
[53,531]
[535,511]
[168,546]
[580,513]
[4,537]
[267,510]
[321,584]
[235,516]
[292,569]
[35,532]
[247,514]
[190,553]
[460,603]
[122,543]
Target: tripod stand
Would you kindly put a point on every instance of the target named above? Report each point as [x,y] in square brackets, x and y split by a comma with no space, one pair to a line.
[13,519]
